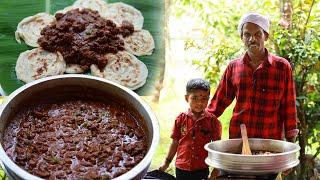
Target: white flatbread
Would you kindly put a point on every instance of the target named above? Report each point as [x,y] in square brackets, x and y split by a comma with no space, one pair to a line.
[38,63]
[96,5]
[123,68]
[74,69]
[119,12]
[139,43]
[66,9]
[30,27]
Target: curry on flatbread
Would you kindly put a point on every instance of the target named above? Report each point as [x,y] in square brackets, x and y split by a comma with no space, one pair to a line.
[85,34]
[83,37]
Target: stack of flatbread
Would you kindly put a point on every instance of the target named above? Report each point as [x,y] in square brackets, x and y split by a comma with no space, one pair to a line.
[123,67]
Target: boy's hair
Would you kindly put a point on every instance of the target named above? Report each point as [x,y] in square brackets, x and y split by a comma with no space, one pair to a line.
[197,84]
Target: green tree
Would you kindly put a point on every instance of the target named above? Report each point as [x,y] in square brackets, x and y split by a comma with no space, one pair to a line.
[298,40]
[221,40]
[294,36]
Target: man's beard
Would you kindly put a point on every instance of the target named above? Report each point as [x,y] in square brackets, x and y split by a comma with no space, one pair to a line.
[254,48]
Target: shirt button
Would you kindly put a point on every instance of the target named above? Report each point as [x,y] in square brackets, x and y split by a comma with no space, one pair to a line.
[263,90]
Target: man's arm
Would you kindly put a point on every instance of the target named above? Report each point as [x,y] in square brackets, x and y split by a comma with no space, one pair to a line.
[216,129]
[224,95]
[170,155]
[288,112]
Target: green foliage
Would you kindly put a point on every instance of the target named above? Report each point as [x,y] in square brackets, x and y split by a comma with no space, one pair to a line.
[215,58]
[3,175]
[300,44]
[221,41]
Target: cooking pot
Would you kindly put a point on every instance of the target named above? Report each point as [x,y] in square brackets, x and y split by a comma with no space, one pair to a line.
[226,155]
[77,86]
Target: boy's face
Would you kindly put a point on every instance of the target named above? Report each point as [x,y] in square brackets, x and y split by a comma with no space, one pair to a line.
[197,100]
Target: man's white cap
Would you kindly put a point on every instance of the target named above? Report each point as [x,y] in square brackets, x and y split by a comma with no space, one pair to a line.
[254,18]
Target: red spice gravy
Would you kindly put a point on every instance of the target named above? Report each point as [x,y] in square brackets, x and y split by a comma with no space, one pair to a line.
[75,140]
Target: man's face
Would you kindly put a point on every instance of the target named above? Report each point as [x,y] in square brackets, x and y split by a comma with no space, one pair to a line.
[197,100]
[253,37]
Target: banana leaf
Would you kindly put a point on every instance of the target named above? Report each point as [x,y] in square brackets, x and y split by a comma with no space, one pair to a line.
[13,11]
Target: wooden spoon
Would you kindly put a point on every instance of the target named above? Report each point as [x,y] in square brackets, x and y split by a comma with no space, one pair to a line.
[245,143]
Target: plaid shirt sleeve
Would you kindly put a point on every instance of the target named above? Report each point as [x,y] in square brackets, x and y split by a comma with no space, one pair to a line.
[288,111]
[176,131]
[217,129]
[224,95]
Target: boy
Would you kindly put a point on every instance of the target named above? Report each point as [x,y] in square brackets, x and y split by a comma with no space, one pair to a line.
[191,131]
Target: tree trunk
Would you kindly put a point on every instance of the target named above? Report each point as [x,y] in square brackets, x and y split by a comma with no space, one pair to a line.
[286,13]
[303,127]
[160,78]
[302,141]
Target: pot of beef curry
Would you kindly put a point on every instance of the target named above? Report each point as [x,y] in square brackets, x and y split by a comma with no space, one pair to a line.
[269,156]
[76,127]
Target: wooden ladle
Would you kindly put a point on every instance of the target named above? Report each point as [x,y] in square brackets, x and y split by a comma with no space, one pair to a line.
[245,143]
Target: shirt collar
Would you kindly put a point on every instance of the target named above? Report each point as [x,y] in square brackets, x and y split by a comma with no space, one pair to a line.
[205,113]
[267,62]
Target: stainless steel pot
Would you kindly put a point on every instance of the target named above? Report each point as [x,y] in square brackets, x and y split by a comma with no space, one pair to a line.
[223,155]
[82,86]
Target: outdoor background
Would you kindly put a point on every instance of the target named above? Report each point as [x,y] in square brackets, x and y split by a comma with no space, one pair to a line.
[201,38]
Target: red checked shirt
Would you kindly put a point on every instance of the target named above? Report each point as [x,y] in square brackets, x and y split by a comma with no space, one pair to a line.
[265,98]
[192,135]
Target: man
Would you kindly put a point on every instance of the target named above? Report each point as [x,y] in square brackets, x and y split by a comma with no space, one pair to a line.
[262,84]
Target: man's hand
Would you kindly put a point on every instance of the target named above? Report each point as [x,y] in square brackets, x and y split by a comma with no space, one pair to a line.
[164,167]
[214,174]
[172,151]
[287,172]
[291,139]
